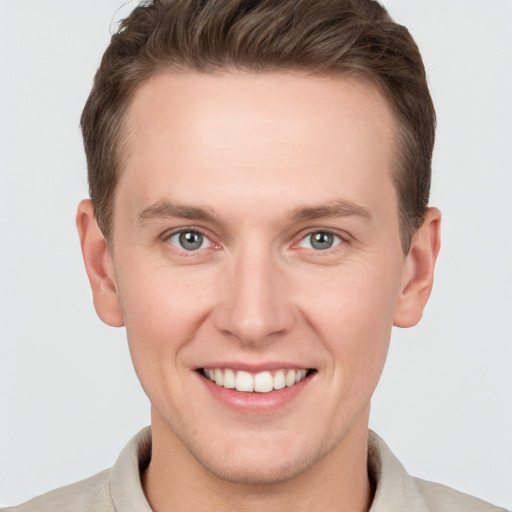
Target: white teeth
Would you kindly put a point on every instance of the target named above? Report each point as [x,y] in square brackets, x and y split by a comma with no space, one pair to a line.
[219,377]
[299,375]
[290,378]
[262,382]
[244,381]
[229,379]
[279,381]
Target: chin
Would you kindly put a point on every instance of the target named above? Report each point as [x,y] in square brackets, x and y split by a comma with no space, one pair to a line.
[256,472]
[264,463]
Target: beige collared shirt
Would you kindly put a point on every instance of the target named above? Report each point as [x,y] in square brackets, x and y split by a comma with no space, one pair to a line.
[119,489]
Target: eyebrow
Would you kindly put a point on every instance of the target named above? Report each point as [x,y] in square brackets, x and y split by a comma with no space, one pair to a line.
[338,208]
[167,209]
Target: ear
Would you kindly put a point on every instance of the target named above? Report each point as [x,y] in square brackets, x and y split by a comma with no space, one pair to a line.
[99,266]
[418,275]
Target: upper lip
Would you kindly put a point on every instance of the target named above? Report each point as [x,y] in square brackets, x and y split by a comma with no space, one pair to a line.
[255,367]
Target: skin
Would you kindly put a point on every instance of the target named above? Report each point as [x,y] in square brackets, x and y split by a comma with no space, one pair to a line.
[256,163]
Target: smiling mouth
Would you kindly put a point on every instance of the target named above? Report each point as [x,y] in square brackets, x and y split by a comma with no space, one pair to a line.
[261,382]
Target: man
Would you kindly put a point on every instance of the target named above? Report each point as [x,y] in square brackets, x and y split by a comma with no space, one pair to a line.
[259,176]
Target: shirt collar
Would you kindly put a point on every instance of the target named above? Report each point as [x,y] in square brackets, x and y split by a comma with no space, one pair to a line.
[395,489]
[125,484]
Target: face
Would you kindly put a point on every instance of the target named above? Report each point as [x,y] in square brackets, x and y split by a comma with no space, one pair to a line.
[256,245]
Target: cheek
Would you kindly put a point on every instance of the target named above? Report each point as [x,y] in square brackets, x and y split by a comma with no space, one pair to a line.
[357,298]
[352,311]
[157,296]
[163,308]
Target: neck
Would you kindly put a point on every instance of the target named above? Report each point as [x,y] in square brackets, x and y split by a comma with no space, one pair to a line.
[175,481]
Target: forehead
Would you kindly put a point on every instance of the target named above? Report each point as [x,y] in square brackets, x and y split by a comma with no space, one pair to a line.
[230,132]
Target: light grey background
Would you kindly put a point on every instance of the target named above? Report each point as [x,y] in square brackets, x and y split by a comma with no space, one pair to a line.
[69,397]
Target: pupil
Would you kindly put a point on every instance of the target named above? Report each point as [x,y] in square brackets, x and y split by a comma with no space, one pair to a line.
[191,240]
[322,241]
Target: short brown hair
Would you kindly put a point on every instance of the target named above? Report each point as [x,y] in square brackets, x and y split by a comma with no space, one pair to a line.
[325,37]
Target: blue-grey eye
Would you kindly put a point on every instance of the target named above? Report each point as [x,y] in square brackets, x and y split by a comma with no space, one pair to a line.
[320,241]
[189,240]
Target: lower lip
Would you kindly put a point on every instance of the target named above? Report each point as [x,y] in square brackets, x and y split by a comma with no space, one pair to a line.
[256,403]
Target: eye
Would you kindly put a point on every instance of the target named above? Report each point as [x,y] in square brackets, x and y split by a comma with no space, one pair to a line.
[189,240]
[320,241]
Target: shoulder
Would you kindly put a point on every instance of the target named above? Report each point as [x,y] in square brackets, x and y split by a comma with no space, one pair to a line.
[118,488]
[90,495]
[397,491]
[440,498]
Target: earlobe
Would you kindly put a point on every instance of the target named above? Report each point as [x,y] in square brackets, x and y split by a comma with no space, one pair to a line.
[418,273]
[99,267]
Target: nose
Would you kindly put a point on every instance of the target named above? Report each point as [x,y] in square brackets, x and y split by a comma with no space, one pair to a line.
[255,305]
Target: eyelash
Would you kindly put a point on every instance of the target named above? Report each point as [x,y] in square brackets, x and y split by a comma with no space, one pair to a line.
[338,240]
[184,231]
